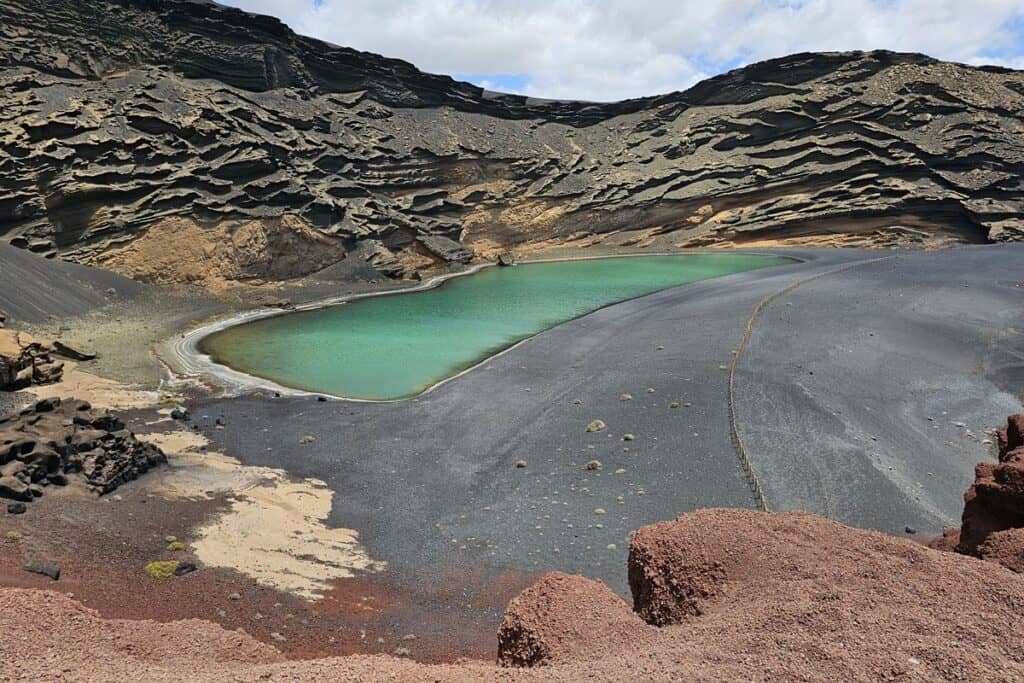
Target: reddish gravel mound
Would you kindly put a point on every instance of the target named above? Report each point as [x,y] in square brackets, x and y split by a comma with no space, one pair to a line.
[794,596]
[561,618]
[672,575]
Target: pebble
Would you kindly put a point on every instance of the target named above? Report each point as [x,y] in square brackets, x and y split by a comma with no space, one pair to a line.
[520,464]
[234,596]
[628,437]
[599,511]
[593,465]
[16,508]
[277,636]
[626,397]
[596,426]
[673,404]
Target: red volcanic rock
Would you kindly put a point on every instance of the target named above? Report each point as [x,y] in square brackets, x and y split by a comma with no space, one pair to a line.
[1012,437]
[994,504]
[563,618]
[672,574]
[1005,548]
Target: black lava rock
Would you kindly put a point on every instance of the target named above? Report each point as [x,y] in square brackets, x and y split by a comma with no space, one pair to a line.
[16,508]
[184,568]
[51,570]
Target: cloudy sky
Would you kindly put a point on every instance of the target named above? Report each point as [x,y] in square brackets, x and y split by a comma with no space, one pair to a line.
[613,49]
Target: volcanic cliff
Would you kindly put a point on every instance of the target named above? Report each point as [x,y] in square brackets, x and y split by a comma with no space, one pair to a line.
[175,141]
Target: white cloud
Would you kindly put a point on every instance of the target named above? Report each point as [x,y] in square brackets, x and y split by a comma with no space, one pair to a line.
[618,48]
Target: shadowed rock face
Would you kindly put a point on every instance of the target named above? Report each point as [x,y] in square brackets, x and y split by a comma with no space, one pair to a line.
[993,519]
[135,115]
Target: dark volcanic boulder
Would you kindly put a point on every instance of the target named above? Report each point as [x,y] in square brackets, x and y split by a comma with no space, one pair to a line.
[45,443]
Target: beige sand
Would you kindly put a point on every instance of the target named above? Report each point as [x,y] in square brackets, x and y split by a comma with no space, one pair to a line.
[100,392]
[274,530]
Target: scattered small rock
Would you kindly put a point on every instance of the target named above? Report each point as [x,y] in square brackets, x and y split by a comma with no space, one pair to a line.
[628,437]
[274,635]
[321,399]
[626,397]
[184,568]
[599,511]
[910,530]
[520,464]
[596,426]
[650,390]
[16,508]
[307,439]
[593,465]
[402,652]
[180,414]
[673,404]
[234,597]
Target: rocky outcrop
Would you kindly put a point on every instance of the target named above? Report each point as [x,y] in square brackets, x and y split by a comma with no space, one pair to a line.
[993,519]
[738,594]
[122,121]
[672,575]
[45,443]
[25,360]
[562,617]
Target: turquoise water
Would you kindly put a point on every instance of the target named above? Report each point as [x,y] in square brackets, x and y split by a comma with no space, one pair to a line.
[394,346]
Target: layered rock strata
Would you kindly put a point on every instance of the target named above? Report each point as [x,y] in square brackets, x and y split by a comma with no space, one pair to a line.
[137,122]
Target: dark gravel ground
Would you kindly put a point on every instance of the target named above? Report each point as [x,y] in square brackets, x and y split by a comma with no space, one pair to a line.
[431,483]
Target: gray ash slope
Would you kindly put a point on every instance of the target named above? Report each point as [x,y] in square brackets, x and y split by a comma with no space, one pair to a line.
[130,120]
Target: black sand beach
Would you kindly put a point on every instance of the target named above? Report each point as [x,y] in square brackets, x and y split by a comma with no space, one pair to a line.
[432,484]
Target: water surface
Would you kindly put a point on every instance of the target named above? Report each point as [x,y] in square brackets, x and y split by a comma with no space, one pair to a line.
[394,346]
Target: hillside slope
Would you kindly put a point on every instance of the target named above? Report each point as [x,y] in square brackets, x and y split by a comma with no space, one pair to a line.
[132,127]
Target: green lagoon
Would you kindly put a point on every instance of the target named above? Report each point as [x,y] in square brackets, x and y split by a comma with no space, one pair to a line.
[394,346]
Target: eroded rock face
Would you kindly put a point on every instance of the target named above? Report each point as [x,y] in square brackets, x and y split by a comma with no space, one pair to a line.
[45,443]
[118,120]
[563,617]
[993,519]
[25,360]
[672,575]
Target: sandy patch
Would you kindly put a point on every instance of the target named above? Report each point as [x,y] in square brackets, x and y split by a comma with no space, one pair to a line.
[99,391]
[274,531]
